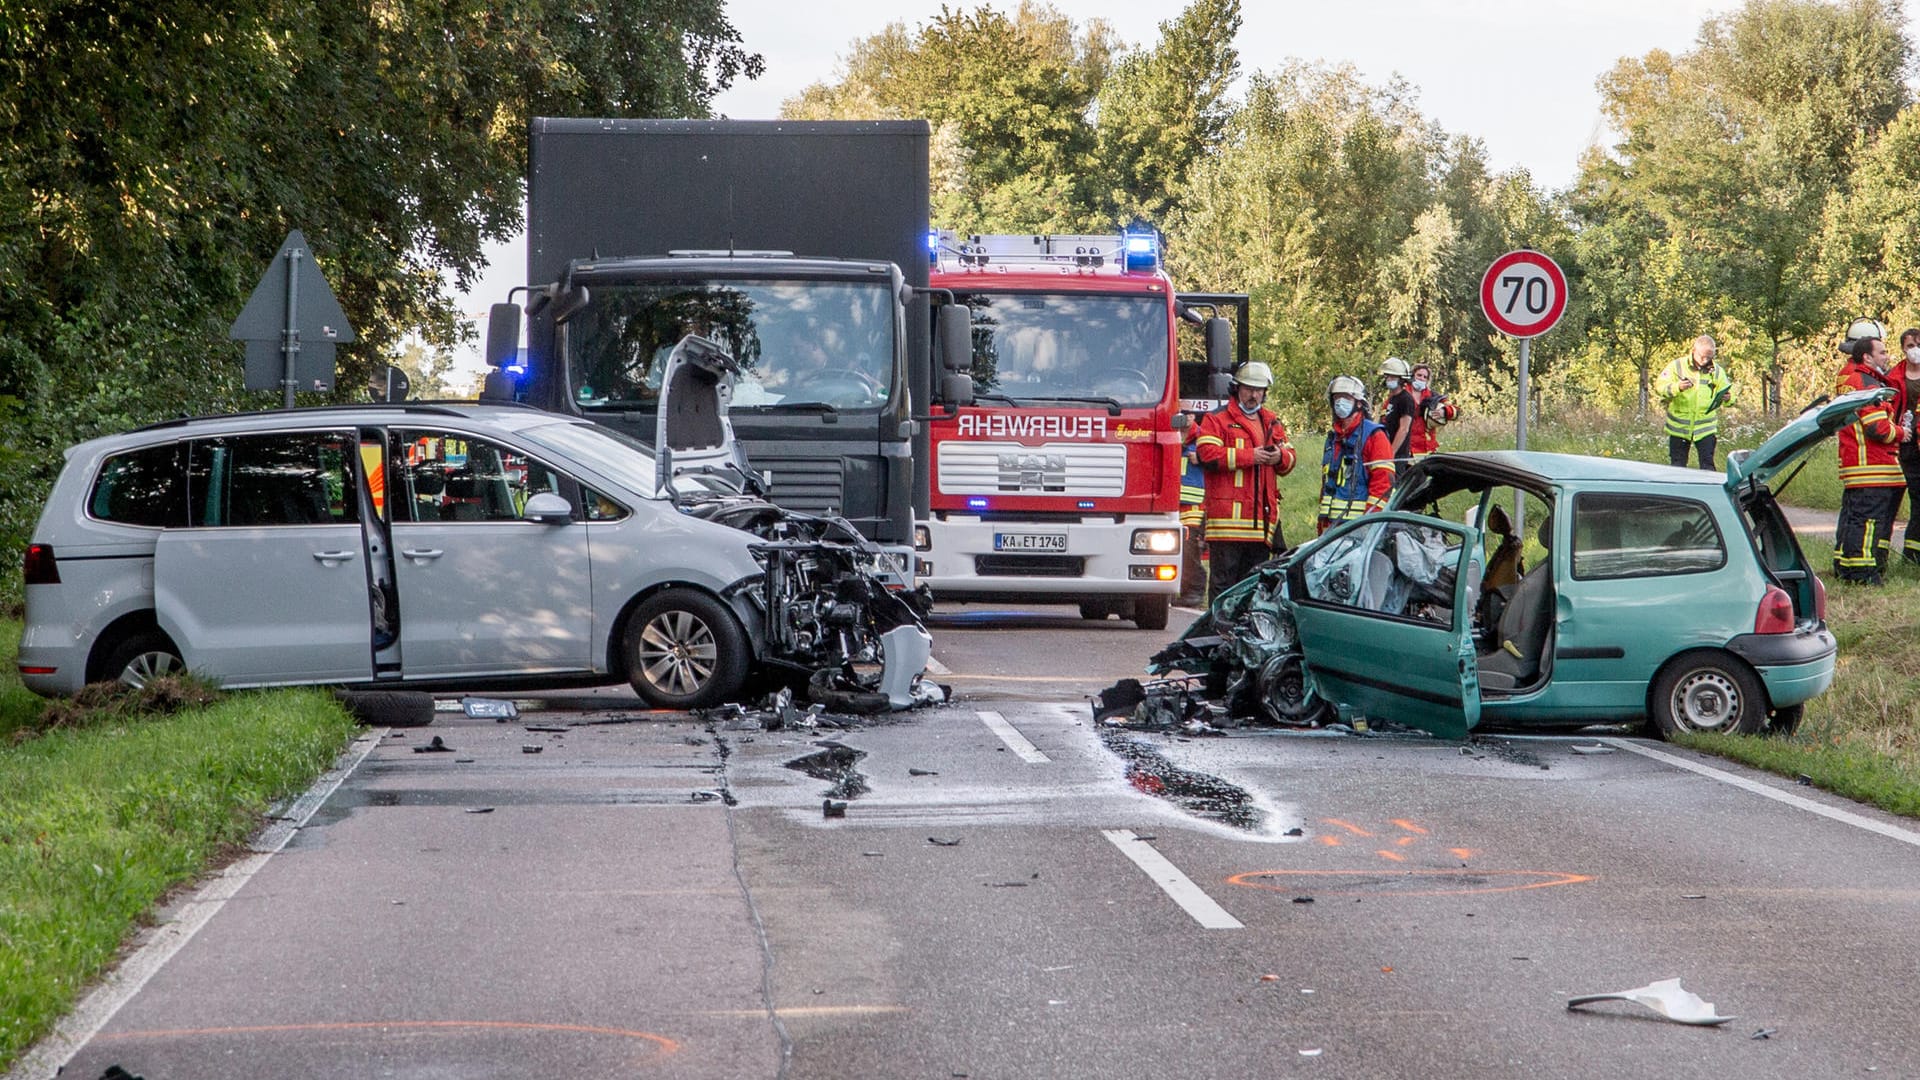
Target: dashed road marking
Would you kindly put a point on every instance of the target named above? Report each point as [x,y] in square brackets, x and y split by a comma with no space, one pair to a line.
[1891,832]
[1015,741]
[85,1021]
[1178,886]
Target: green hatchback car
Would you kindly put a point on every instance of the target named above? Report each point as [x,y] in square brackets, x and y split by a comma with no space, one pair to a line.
[1539,590]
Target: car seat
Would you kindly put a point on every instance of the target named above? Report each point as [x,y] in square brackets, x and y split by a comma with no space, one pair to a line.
[1521,637]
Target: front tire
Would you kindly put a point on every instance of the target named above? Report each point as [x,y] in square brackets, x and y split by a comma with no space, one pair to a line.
[685,650]
[1150,612]
[143,657]
[1708,693]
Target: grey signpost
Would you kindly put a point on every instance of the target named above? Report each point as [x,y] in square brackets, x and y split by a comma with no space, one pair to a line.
[290,325]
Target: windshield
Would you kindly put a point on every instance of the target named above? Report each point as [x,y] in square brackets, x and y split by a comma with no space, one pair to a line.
[1048,347]
[620,459]
[798,342]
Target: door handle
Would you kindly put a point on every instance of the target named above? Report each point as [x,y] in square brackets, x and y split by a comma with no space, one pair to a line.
[333,556]
[423,554]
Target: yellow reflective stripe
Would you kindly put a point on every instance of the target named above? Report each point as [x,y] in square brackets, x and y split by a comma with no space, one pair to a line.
[1209,440]
[1860,561]
[1872,476]
[1385,464]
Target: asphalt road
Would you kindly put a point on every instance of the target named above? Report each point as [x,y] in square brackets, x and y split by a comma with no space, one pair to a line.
[1019,893]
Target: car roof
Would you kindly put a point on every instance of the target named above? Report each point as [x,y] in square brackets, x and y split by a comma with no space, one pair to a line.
[506,418]
[1559,468]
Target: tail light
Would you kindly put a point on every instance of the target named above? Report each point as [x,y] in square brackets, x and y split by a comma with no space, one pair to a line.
[40,568]
[1819,599]
[1776,612]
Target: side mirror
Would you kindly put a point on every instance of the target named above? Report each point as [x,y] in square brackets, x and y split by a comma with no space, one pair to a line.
[956,337]
[503,333]
[571,301]
[1220,386]
[956,390]
[548,509]
[1219,346]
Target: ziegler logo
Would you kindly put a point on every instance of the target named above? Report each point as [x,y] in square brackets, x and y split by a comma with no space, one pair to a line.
[1002,425]
[1033,472]
[1129,432]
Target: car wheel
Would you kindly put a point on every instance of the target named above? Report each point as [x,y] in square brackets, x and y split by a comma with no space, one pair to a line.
[1708,692]
[1150,612]
[685,650]
[1785,721]
[145,656]
[388,708]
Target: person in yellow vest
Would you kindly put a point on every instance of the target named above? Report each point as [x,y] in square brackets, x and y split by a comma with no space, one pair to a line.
[1694,389]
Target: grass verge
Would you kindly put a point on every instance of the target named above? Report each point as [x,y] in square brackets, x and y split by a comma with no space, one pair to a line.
[99,821]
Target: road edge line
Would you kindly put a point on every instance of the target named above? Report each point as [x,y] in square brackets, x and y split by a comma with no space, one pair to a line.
[1010,735]
[56,1050]
[1178,886]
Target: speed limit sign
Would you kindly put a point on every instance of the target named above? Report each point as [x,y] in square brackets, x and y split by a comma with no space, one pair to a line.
[1523,293]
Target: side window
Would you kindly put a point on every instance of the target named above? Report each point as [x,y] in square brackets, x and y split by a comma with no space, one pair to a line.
[1392,568]
[143,487]
[293,478]
[446,476]
[1632,535]
[599,507]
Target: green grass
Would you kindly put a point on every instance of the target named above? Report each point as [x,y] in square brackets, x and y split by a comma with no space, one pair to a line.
[99,822]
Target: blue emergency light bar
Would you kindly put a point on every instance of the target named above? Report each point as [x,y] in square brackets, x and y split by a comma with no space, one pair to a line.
[1143,248]
[977,502]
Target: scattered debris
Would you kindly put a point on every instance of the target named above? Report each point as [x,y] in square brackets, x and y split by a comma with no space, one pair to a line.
[1204,796]
[1664,997]
[831,808]
[955,842]
[531,748]
[1295,831]
[555,728]
[703,796]
[1268,978]
[115,1072]
[1303,899]
[1315,1052]
[1006,884]
[1803,780]
[835,762]
[499,710]
[479,809]
[463,761]
[1764,1033]
[922,772]
[1596,748]
[874,854]
[434,747]
[1693,896]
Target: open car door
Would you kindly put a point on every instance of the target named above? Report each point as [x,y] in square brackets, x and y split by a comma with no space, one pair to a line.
[1383,605]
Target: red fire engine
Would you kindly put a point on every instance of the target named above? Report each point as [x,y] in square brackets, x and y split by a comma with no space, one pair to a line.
[1061,482]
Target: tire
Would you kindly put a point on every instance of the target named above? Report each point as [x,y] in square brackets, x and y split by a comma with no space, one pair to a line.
[685,650]
[1785,721]
[146,655]
[388,708]
[1150,612]
[1708,692]
[1097,610]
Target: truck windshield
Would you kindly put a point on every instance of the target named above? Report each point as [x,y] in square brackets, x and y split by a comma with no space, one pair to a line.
[1032,347]
[805,343]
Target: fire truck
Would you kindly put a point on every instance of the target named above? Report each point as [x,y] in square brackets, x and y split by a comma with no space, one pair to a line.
[1061,481]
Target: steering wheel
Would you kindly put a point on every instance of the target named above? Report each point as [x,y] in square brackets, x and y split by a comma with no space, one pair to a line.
[1132,384]
[843,387]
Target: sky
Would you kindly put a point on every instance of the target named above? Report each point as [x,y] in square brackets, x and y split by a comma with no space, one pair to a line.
[1518,75]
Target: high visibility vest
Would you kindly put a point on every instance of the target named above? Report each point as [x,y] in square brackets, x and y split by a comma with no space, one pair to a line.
[1692,413]
[1346,475]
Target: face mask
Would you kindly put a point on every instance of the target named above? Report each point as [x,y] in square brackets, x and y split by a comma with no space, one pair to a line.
[1393,384]
[1419,384]
[1247,409]
[1342,408]
[1913,355]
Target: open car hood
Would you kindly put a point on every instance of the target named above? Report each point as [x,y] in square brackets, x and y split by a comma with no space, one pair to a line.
[1801,434]
[694,450]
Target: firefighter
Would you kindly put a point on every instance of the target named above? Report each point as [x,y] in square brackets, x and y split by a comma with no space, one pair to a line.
[1907,381]
[1401,407]
[1243,451]
[1356,469]
[1869,462]
[1435,412]
[1694,389]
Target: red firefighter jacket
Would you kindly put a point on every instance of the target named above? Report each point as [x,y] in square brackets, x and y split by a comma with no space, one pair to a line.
[1869,447]
[1242,499]
[1423,439]
[1356,471]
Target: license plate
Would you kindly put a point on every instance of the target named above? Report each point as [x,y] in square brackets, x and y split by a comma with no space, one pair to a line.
[1029,541]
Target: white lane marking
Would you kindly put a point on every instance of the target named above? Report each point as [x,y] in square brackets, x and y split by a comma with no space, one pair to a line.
[1015,741]
[1845,817]
[1192,900]
[54,1052]
[935,667]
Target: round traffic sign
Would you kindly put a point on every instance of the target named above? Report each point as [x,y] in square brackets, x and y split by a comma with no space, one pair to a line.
[1523,294]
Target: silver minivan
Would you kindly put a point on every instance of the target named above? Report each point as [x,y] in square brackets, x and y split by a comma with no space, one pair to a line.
[456,545]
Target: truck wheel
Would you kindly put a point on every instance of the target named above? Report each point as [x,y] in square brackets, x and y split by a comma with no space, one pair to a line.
[1150,612]
[685,650]
[1097,610]
[146,655]
[1708,692]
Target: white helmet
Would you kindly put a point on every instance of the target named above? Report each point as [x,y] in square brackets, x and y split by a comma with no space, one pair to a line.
[1862,328]
[1349,386]
[1396,367]
[1254,373]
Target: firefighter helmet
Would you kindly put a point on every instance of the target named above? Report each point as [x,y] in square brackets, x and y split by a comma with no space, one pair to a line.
[1254,373]
[1396,367]
[1862,328]
[1348,386]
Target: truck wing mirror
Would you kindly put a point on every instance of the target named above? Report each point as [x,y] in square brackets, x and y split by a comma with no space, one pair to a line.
[571,301]
[956,390]
[956,337]
[1219,345]
[503,333]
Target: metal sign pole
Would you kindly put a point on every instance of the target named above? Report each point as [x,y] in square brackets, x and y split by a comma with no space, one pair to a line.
[1520,440]
[290,344]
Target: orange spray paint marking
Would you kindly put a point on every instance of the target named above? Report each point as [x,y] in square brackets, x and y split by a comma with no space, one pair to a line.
[1409,826]
[1405,840]
[1347,825]
[1406,882]
[1465,853]
[1329,840]
[1394,855]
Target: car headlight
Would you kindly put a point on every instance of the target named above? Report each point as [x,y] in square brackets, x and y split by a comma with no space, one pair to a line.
[1264,626]
[1155,541]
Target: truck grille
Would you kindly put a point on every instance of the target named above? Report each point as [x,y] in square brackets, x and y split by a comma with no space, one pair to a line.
[1088,470]
[809,485]
[1029,565]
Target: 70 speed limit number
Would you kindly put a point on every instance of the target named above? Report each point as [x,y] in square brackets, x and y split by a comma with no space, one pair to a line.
[1523,294]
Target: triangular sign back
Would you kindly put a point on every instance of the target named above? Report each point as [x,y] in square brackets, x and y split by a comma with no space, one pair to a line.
[317,314]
